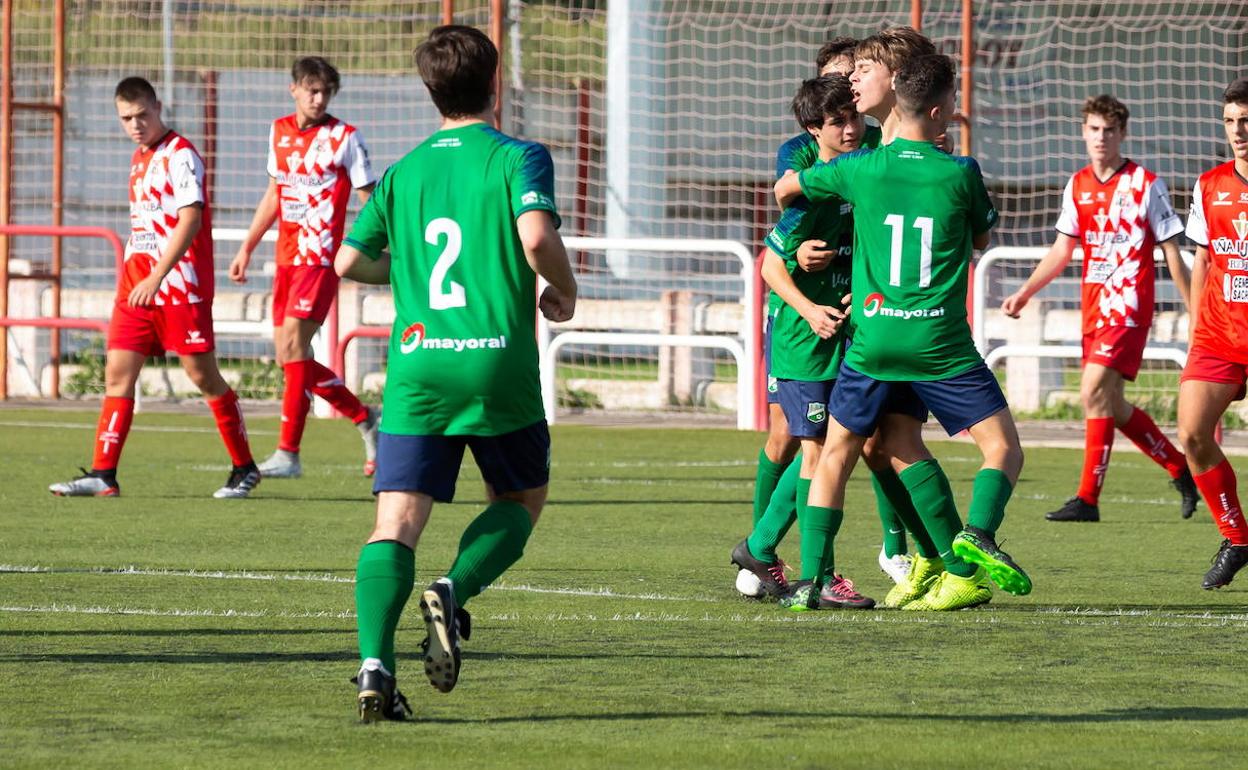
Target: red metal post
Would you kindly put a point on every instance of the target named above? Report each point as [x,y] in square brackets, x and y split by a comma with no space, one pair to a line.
[968,73]
[916,14]
[580,203]
[58,184]
[448,11]
[498,14]
[6,182]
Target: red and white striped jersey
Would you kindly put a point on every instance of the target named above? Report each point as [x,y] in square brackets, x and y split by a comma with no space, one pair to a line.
[315,169]
[163,179]
[1118,223]
[1219,222]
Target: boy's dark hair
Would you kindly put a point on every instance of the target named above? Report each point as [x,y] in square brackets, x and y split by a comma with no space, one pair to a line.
[894,46]
[835,49]
[458,64]
[923,82]
[1107,107]
[134,89]
[820,98]
[1236,93]
[315,68]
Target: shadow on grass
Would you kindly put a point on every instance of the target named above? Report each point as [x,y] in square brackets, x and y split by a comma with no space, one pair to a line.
[1144,714]
[274,656]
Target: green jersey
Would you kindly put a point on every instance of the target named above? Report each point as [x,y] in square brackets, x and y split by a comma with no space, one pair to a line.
[916,211]
[797,353]
[463,352]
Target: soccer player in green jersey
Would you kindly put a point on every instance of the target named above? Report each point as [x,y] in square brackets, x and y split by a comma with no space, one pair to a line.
[806,347]
[918,213]
[458,228]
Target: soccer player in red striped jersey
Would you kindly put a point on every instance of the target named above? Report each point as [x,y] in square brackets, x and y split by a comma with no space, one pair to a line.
[314,162]
[1117,211]
[1217,358]
[164,296]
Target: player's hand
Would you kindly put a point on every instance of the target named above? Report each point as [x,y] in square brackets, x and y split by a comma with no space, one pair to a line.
[814,255]
[825,321]
[238,266]
[144,292]
[555,306]
[1014,304]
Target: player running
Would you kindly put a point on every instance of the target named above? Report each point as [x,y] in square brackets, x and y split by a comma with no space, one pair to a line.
[806,333]
[917,214]
[164,296]
[314,161]
[1217,358]
[1116,210]
[458,228]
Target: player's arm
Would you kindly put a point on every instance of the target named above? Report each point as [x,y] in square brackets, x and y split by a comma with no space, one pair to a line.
[544,251]
[788,188]
[352,263]
[261,221]
[824,321]
[1051,266]
[189,219]
[1178,270]
[1200,269]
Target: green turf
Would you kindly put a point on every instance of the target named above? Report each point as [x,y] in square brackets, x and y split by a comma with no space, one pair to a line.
[1117,659]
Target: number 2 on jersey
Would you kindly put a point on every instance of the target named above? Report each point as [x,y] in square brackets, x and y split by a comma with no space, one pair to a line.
[924,225]
[453,295]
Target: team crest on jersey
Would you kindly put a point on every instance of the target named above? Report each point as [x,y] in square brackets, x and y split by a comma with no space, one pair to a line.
[816,412]
[1241,225]
[1101,218]
[412,337]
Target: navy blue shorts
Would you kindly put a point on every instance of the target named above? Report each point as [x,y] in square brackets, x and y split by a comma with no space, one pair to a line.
[512,462]
[805,406]
[773,395]
[858,401]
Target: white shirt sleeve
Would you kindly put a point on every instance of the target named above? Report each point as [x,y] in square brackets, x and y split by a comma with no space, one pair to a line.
[1068,220]
[355,160]
[272,162]
[1197,230]
[1162,217]
[186,174]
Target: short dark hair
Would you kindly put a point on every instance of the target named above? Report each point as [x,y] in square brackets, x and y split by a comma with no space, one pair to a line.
[1107,107]
[894,46]
[458,65]
[822,97]
[1236,92]
[133,89]
[835,49]
[315,68]
[923,82]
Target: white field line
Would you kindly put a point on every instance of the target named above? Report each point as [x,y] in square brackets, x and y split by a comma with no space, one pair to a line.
[141,428]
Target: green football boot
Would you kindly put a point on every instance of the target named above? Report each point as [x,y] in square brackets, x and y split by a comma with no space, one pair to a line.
[978,547]
[804,597]
[922,575]
[950,592]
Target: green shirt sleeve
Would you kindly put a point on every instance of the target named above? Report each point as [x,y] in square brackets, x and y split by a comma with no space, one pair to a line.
[832,179]
[370,233]
[983,213]
[533,182]
[788,233]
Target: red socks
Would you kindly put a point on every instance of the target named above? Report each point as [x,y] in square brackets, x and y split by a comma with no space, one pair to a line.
[1144,434]
[329,386]
[110,435]
[229,416]
[1098,442]
[296,399]
[1217,486]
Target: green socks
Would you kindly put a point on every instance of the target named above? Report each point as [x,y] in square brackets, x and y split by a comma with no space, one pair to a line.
[493,542]
[780,514]
[819,527]
[930,492]
[765,480]
[383,581]
[989,494]
[897,511]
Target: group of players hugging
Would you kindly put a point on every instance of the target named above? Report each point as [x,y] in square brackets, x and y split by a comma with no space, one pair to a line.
[883,217]
[867,331]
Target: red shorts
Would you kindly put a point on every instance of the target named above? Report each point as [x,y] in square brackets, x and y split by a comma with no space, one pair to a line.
[1117,347]
[303,292]
[1206,366]
[152,330]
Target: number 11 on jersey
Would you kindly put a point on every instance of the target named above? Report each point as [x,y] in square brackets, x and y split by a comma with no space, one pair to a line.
[924,225]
